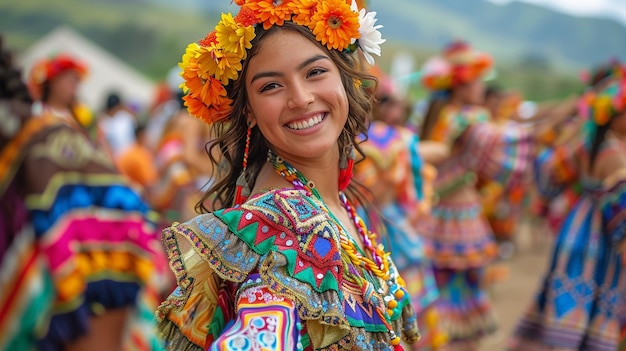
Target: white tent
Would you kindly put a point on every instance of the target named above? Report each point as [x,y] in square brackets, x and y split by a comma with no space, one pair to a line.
[106,72]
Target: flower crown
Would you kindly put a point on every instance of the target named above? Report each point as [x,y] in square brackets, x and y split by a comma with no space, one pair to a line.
[600,107]
[209,65]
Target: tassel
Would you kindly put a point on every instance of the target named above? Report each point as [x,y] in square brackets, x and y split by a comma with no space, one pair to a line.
[346,165]
[242,189]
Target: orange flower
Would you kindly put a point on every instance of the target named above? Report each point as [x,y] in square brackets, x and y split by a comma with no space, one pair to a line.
[270,11]
[246,17]
[213,106]
[197,109]
[189,68]
[335,24]
[303,11]
[210,38]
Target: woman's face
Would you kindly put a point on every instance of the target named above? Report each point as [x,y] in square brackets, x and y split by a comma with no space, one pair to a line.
[391,110]
[296,96]
[64,87]
[472,92]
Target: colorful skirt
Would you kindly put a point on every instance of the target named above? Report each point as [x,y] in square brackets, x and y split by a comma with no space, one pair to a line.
[458,236]
[461,244]
[465,311]
[580,303]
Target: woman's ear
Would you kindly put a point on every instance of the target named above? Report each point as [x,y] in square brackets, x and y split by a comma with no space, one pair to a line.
[250,118]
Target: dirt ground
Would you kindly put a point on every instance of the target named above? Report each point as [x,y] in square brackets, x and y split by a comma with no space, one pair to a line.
[512,295]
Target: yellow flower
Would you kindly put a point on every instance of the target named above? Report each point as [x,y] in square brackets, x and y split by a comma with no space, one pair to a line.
[270,12]
[190,72]
[303,11]
[233,37]
[217,63]
[335,24]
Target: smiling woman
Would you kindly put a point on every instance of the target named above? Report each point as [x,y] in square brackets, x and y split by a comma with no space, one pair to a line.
[280,260]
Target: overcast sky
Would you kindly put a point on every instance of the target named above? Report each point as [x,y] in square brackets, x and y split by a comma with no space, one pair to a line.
[609,8]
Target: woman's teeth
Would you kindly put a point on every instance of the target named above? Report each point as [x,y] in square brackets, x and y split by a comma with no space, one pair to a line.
[306,123]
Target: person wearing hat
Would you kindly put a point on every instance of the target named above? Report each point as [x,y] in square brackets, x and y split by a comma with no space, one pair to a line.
[456,230]
[80,258]
[53,83]
[280,259]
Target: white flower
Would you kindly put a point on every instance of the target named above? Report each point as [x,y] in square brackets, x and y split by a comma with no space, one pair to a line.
[371,38]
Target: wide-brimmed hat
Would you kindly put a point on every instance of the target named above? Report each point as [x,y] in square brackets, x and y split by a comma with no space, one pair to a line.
[459,63]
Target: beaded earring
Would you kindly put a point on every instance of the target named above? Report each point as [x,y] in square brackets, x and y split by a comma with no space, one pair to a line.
[346,164]
[242,188]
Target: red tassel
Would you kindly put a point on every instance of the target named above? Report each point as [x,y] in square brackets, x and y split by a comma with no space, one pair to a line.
[239,199]
[345,175]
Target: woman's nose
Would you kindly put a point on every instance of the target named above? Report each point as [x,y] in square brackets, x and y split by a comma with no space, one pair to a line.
[300,96]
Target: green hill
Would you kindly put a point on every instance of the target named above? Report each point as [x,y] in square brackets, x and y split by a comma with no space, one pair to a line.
[516,32]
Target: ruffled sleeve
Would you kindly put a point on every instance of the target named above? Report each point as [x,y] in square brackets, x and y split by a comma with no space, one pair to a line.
[453,122]
[500,154]
[281,236]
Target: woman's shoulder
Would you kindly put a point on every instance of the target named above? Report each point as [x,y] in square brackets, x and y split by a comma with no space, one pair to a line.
[234,240]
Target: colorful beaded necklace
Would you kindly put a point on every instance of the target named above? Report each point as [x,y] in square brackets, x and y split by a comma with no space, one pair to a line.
[378,265]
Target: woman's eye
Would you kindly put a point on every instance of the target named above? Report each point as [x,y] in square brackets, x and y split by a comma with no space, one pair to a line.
[316,72]
[269,86]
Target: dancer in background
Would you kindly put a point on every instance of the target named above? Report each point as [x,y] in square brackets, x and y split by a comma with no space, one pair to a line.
[559,122]
[282,260]
[580,303]
[503,207]
[53,83]
[81,262]
[460,238]
[401,184]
